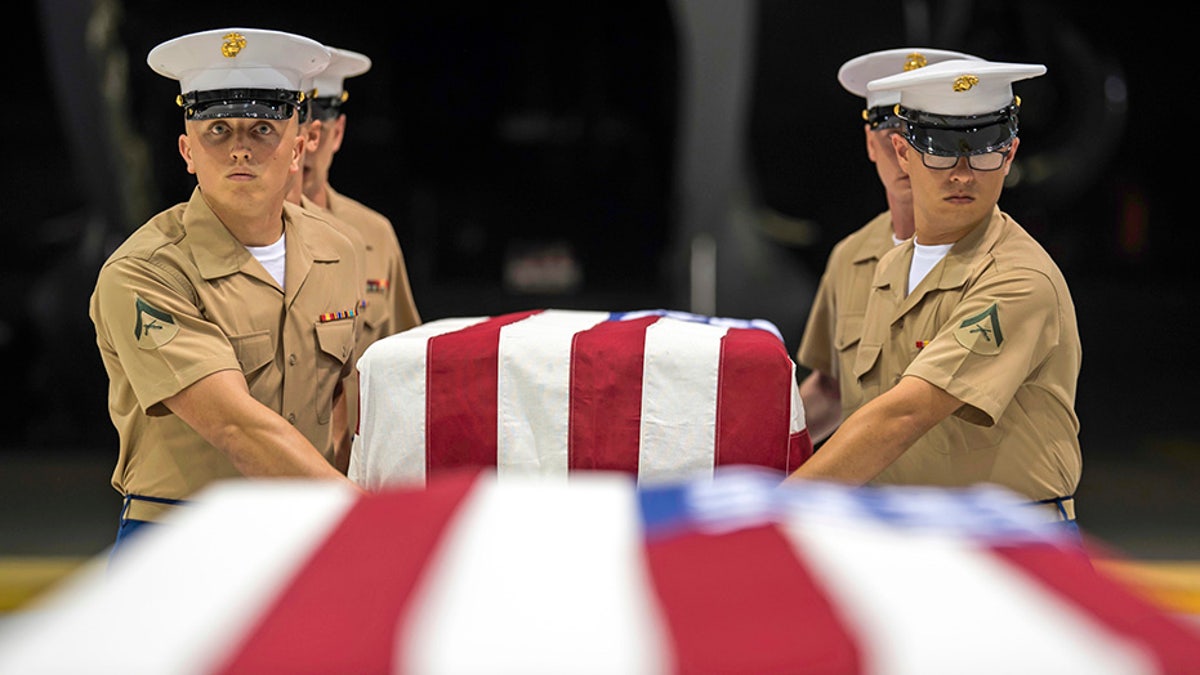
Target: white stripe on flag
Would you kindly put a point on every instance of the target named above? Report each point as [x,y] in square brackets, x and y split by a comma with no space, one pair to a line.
[799,422]
[679,400]
[904,591]
[533,395]
[179,596]
[392,374]
[520,588]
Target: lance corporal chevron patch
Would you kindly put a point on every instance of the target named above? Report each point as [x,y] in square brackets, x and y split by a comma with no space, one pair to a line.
[981,333]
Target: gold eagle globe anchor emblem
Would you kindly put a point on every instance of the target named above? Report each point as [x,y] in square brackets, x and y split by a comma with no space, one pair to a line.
[232,45]
[965,82]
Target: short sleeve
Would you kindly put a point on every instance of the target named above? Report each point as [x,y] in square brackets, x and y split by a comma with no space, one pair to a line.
[816,345]
[159,335]
[996,337]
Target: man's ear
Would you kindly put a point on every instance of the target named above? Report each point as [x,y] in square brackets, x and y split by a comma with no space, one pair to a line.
[314,136]
[1011,154]
[338,130]
[298,145]
[902,147]
[185,151]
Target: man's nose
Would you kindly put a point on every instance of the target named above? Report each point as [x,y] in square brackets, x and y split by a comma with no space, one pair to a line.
[962,171]
[241,148]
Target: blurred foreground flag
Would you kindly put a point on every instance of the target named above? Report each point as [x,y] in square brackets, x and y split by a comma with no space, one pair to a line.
[731,574]
[655,393]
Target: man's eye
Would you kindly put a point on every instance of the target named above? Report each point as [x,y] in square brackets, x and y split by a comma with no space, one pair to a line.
[264,129]
[217,129]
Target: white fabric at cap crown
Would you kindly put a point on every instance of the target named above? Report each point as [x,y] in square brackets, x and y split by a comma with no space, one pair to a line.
[931,89]
[858,71]
[344,63]
[269,60]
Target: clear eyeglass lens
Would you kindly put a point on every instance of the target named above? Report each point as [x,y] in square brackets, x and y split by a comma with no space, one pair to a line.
[988,161]
[938,161]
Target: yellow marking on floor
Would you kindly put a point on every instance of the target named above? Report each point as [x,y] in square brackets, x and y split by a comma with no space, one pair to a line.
[1174,585]
[22,579]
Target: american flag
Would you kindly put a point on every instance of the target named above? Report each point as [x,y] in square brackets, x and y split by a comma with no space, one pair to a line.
[731,574]
[656,393]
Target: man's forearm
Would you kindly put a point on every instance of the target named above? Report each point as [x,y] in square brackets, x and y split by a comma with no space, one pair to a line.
[877,434]
[822,405]
[255,438]
[342,434]
[265,445]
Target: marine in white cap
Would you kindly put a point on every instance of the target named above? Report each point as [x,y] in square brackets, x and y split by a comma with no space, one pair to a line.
[834,323]
[970,351]
[239,72]
[311,131]
[858,72]
[960,109]
[390,307]
[227,323]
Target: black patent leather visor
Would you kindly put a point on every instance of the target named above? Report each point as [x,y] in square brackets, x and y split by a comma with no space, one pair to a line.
[271,104]
[326,107]
[959,135]
[882,117]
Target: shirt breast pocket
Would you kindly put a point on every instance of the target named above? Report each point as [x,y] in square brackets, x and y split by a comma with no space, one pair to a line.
[336,342]
[253,350]
[375,313]
[866,374]
[845,343]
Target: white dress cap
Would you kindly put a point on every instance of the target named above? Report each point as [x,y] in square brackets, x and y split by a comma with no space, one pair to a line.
[344,63]
[239,58]
[858,71]
[958,87]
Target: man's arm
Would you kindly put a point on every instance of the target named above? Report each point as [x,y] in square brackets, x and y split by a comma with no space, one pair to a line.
[342,434]
[257,440]
[877,434]
[822,404]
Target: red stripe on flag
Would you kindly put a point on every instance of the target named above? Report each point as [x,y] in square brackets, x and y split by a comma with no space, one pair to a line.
[800,449]
[460,395]
[1071,575]
[341,612]
[604,424]
[754,400]
[743,602]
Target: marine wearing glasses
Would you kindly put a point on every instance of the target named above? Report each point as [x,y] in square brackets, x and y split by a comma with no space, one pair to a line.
[961,87]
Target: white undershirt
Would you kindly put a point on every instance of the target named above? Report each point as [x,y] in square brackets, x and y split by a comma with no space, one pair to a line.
[273,258]
[924,258]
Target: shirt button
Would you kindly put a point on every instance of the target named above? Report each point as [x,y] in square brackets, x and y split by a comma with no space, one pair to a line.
[292,418]
[292,360]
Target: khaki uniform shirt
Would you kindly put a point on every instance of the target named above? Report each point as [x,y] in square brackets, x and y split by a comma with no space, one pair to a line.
[182,299]
[364,337]
[992,324]
[390,307]
[835,322]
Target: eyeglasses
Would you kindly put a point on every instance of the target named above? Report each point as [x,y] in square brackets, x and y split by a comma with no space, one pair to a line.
[986,161]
